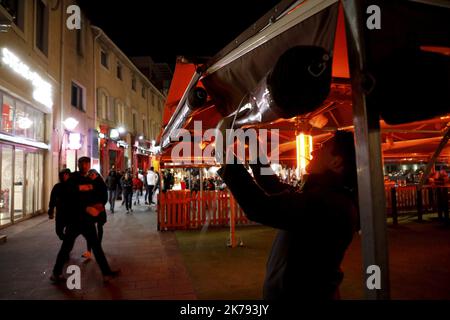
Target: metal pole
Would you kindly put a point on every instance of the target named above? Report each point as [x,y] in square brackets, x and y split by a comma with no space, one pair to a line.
[202,200]
[368,156]
[232,243]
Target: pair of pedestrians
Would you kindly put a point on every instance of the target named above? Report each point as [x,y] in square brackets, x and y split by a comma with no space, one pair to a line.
[80,208]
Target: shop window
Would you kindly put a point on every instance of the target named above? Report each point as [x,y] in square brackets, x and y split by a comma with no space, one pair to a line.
[8,108]
[6,182]
[39,127]
[23,124]
[41,27]
[19,182]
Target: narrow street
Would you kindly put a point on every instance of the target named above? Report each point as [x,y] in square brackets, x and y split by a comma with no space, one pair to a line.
[150,263]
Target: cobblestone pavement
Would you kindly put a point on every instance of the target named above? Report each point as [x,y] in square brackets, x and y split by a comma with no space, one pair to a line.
[150,263]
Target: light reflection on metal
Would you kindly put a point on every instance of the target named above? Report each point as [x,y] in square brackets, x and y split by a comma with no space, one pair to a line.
[304,146]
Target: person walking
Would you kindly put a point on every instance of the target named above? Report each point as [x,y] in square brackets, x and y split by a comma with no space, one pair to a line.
[112,185]
[79,222]
[127,186]
[152,180]
[59,201]
[137,188]
[96,206]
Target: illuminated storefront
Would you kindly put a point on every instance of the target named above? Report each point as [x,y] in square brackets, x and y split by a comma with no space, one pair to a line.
[112,151]
[21,159]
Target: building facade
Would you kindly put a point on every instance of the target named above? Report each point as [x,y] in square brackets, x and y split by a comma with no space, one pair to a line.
[129,109]
[29,90]
[59,102]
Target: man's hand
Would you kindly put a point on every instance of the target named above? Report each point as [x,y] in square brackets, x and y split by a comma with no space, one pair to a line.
[50,213]
[85,187]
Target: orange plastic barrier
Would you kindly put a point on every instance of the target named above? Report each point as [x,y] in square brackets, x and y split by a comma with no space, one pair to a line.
[407,196]
[183,209]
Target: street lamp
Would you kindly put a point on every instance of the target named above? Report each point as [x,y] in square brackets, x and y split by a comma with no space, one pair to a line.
[70,123]
[114,134]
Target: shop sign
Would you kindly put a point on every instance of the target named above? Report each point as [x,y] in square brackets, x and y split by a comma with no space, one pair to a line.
[42,89]
[74,141]
[122,143]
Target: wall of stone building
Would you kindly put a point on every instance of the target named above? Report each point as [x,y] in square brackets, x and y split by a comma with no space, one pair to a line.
[78,61]
[21,42]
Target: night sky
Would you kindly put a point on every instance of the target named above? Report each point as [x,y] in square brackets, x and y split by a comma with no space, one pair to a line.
[167,29]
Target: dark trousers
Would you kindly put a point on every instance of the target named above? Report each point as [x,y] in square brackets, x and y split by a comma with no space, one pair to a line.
[71,234]
[112,198]
[99,235]
[149,193]
[128,198]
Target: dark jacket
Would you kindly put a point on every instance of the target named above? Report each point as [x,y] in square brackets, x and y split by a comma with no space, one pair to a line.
[98,195]
[127,184]
[62,198]
[316,226]
[112,182]
[57,198]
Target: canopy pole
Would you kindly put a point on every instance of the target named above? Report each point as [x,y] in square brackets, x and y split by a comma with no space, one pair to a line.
[368,158]
[232,242]
[434,157]
[202,201]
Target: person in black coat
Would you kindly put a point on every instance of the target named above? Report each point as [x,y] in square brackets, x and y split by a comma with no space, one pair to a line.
[79,221]
[112,183]
[58,200]
[97,199]
[316,224]
[127,187]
